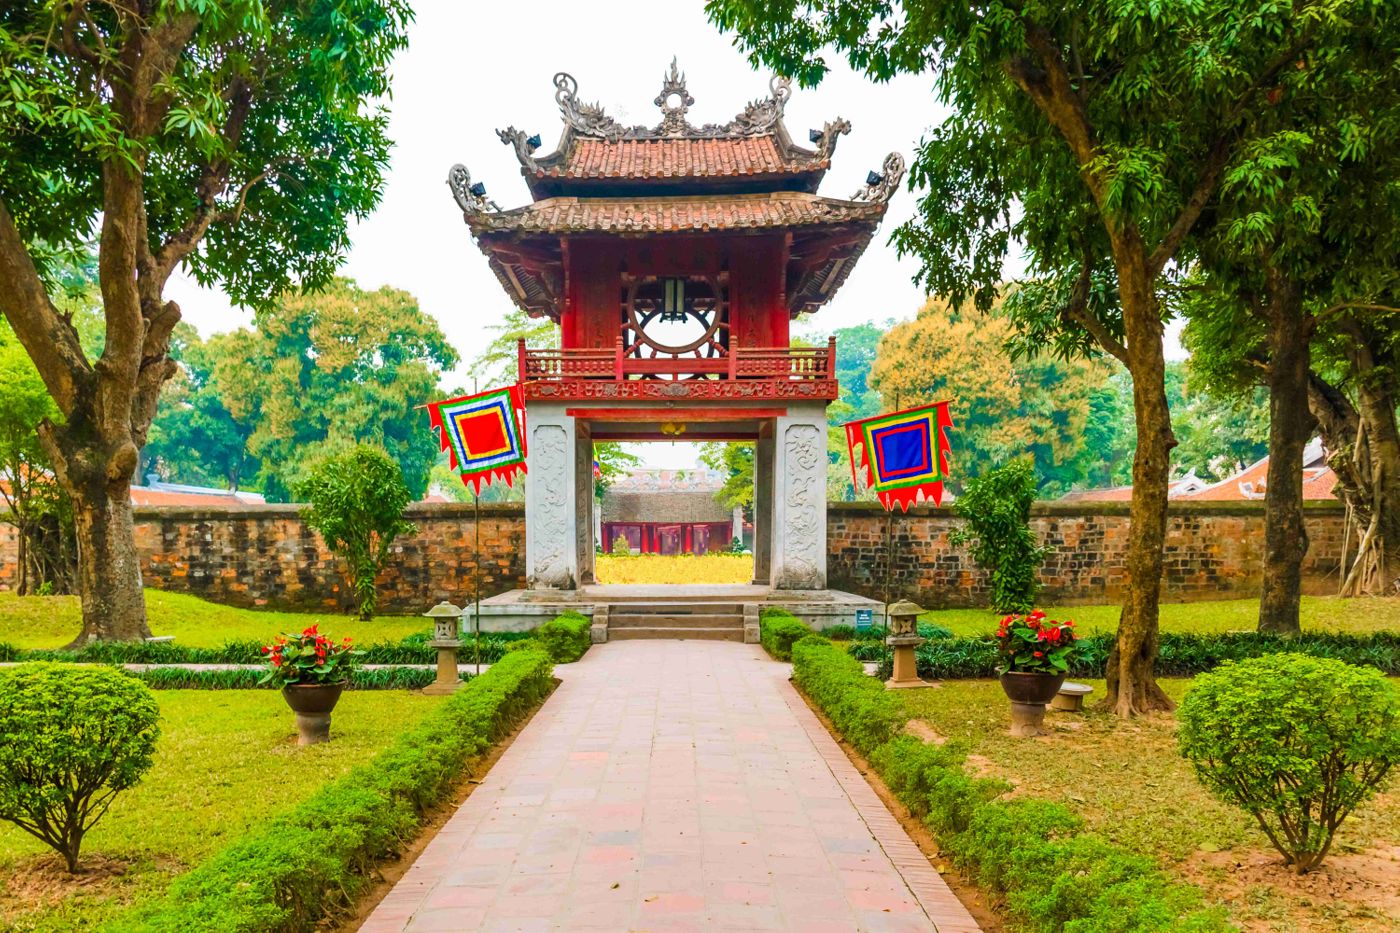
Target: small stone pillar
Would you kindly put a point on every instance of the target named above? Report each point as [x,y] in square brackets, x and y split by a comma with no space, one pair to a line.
[447,638]
[904,638]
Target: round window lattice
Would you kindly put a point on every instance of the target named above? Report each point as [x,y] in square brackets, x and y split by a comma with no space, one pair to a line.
[706,314]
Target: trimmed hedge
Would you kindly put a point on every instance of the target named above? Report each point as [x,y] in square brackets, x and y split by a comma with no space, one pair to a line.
[304,866]
[778,629]
[1033,854]
[565,637]
[413,649]
[1182,654]
[183,678]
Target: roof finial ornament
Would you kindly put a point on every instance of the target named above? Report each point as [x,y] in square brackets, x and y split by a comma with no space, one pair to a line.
[881,186]
[674,100]
[471,198]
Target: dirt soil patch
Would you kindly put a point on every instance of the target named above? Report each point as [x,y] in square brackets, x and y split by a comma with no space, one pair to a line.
[1355,891]
[42,881]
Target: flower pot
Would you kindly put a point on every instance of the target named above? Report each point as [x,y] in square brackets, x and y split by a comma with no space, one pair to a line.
[312,704]
[1029,693]
[1022,687]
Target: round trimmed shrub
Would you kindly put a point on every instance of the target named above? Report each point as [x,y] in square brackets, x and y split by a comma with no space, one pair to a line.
[71,739]
[1299,742]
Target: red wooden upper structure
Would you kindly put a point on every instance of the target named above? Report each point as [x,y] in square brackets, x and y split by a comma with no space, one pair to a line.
[674,257]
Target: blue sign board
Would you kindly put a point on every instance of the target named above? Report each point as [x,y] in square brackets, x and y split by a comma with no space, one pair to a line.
[865,618]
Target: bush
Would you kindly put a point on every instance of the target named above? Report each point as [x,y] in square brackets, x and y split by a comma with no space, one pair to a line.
[1298,742]
[778,630]
[300,868]
[620,547]
[1031,853]
[188,678]
[566,637]
[357,500]
[997,506]
[71,739]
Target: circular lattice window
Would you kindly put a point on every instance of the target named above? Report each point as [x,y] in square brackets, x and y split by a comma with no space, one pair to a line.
[675,317]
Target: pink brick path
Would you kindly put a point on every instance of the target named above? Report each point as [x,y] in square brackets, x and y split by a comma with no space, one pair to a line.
[672,785]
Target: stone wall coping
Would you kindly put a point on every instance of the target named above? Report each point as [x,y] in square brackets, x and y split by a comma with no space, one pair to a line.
[1050,508]
[273,510]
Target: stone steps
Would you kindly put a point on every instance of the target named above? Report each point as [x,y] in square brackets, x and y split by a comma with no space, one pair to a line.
[695,619]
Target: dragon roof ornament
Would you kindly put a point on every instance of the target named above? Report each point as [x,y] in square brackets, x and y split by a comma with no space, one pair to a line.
[589,119]
[471,198]
[881,186]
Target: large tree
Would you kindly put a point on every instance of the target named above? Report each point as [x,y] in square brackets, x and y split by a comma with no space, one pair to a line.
[324,371]
[233,138]
[1002,408]
[1095,135]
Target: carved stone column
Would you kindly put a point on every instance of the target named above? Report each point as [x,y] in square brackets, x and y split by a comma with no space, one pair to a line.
[585,504]
[799,499]
[763,507]
[551,513]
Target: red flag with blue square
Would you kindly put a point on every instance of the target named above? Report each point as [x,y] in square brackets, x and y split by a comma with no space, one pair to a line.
[903,454]
[483,435]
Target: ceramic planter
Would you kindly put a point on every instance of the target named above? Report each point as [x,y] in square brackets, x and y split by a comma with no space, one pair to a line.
[1029,693]
[312,704]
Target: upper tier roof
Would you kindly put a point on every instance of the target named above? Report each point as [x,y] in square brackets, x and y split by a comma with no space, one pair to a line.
[751,152]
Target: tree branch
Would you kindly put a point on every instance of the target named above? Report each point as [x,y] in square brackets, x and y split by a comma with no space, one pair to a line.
[46,337]
[1077,310]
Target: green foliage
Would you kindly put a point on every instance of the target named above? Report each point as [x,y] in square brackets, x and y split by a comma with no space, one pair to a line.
[270,131]
[1031,853]
[309,658]
[564,638]
[997,507]
[194,438]
[1298,742]
[735,462]
[241,678]
[779,630]
[71,739]
[324,371]
[620,547]
[299,869]
[357,500]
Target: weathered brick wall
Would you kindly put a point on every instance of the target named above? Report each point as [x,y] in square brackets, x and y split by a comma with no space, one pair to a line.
[1214,551]
[266,556]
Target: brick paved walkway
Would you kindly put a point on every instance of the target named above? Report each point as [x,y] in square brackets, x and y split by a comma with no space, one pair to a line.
[672,785]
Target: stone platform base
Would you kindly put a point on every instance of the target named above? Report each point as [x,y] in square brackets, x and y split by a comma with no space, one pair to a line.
[522,610]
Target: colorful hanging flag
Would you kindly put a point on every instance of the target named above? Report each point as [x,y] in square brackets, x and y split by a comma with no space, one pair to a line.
[904,454]
[483,434]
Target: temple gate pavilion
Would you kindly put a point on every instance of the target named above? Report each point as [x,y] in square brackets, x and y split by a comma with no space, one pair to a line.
[674,258]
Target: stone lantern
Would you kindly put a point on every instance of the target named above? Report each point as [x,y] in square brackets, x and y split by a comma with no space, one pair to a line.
[904,638]
[447,622]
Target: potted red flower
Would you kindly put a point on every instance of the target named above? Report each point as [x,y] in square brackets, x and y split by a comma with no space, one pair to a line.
[312,670]
[1036,656]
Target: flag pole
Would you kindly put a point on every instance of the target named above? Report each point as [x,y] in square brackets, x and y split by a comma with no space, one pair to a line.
[476,574]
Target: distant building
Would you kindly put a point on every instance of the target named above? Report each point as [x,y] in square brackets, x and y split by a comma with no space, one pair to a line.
[669,512]
[1247,485]
[157,493]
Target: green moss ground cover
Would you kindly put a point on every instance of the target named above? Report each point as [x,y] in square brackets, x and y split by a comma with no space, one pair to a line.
[1319,613]
[226,761]
[1129,784]
[52,621]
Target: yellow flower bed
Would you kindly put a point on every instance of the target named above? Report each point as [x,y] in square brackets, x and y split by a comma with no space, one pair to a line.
[680,568]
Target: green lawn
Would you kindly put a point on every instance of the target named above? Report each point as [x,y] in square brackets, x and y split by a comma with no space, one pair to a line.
[1130,784]
[1320,613]
[53,621]
[226,760]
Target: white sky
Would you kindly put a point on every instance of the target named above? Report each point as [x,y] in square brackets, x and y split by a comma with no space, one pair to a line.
[471,68]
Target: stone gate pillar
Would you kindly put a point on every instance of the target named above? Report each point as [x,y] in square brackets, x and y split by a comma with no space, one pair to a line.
[763,507]
[551,510]
[799,498]
[585,504]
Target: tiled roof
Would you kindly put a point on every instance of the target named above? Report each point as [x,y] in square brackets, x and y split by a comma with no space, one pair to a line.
[676,215]
[678,158]
[1251,483]
[681,507]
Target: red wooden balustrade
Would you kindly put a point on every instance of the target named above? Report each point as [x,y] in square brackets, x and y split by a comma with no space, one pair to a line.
[771,363]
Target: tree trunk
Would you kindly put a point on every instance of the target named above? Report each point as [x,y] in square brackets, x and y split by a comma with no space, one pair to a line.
[1290,427]
[97,478]
[1132,689]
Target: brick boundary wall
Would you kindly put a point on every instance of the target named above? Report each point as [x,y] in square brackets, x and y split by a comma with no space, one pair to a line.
[266,556]
[1214,550]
